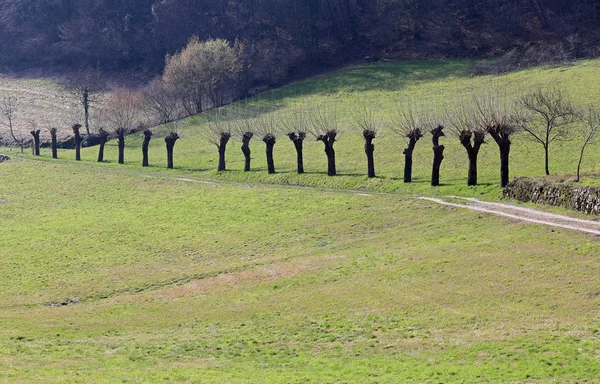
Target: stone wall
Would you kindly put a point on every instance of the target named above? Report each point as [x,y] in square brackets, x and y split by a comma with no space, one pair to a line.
[567,195]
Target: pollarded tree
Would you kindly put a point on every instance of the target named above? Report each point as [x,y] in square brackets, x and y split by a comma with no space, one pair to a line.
[266,129]
[369,127]
[123,112]
[103,135]
[295,125]
[173,132]
[35,133]
[219,132]
[554,113]
[145,146]
[325,127]
[408,123]
[501,121]
[78,140]
[438,154]
[590,118]
[464,122]
[244,128]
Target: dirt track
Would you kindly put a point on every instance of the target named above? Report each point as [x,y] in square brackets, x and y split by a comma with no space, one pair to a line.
[523,214]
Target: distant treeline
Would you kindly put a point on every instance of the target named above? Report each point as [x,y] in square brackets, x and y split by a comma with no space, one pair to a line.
[282,37]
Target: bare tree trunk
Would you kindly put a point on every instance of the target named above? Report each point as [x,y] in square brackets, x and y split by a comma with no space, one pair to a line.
[298,140]
[472,152]
[54,143]
[103,139]
[36,141]
[246,150]
[121,145]
[76,128]
[329,139]
[503,142]
[370,150]
[408,157]
[270,143]
[579,164]
[145,145]
[170,140]
[547,155]
[222,147]
[438,155]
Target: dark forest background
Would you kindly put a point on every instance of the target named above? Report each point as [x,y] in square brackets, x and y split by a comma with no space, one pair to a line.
[282,39]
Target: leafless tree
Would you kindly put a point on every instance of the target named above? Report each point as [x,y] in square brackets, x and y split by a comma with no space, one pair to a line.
[218,132]
[123,113]
[463,120]
[78,140]
[244,128]
[54,142]
[104,136]
[145,145]
[162,101]
[8,112]
[296,125]
[369,127]
[267,129]
[172,132]
[325,127]
[590,118]
[501,120]
[554,113]
[35,133]
[408,123]
[86,86]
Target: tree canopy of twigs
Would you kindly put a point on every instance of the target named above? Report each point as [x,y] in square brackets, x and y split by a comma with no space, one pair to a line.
[369,125]
[8,112]
[325,126]
[501,119]
[553,115]
[86,87]
[590,119]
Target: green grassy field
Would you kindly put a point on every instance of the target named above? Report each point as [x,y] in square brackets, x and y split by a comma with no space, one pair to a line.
[190,275]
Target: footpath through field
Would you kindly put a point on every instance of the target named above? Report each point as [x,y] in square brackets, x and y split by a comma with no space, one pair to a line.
[523,214]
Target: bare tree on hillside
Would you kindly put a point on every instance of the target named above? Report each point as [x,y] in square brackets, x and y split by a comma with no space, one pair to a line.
[554,113]
[123,113]
[408,123]
[501,120]
[245,128]
[8,112]
[590,118]
[369,127]
[54,141]
[267,129]
[145,146]
[86,87]
[325,126]
[162,101]
[172,132]
[464,123]
[218,132]
[296,125]
[35,133]
[78,140]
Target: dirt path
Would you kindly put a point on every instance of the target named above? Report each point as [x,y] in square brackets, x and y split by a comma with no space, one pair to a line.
[523,214]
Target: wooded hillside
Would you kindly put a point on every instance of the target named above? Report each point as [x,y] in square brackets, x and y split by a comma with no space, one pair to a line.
[280,37]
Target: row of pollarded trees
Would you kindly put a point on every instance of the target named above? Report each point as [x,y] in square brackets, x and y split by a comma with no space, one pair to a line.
[545,116]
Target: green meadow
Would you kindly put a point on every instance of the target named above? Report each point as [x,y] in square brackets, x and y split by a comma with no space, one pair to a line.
[115,273]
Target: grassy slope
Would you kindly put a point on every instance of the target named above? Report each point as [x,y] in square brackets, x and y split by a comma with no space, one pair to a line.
[184,281]
[244,282]
[378,86]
